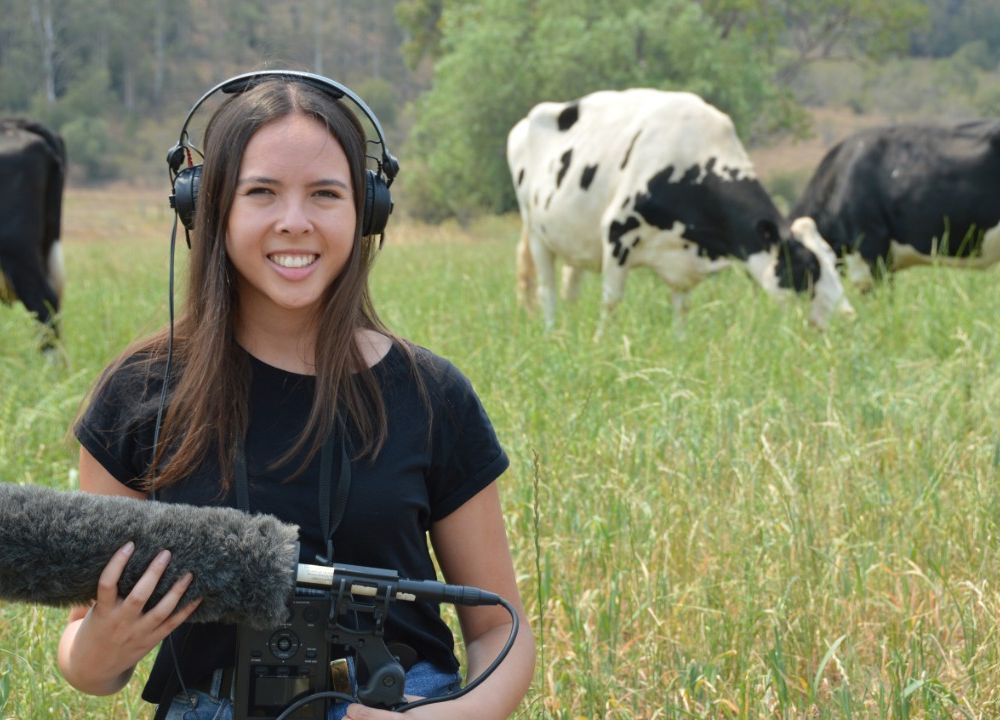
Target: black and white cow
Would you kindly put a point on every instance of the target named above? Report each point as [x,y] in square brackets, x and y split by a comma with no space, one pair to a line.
[890,198]
[646,178]
[32,171]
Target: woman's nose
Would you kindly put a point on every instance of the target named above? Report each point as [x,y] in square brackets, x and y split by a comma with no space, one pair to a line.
[294,220]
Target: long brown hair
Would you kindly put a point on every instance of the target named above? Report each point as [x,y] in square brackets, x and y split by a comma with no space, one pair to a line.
[209,390]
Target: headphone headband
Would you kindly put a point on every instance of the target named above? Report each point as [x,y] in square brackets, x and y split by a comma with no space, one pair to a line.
[185,182]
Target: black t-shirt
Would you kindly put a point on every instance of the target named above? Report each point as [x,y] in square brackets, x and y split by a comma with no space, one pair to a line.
[441,450]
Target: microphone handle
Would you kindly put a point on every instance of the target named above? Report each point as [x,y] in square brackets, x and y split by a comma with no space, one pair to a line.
[367,581]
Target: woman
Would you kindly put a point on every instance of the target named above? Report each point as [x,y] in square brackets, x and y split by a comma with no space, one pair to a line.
[279,353]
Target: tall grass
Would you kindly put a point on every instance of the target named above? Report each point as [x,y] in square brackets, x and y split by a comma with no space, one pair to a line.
[730,517]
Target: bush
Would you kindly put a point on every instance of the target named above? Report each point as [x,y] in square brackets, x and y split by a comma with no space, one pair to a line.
[975,54]
[88,144]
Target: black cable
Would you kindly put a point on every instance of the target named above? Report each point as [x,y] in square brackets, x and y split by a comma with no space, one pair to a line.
[501,656]
[159,414]
[170,345]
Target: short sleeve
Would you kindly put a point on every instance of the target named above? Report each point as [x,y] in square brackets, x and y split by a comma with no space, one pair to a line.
[117,425]
[467,453]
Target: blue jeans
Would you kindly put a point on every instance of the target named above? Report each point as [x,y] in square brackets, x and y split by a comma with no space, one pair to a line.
[423,680]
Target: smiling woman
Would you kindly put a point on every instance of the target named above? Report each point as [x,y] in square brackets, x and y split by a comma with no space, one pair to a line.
[290,234]
[278,359]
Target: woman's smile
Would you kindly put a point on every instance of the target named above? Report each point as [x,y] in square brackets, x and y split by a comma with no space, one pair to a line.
[288,260]
[292,222]
[294,266]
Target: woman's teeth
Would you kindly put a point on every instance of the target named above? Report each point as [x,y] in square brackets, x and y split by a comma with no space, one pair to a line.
[293,261]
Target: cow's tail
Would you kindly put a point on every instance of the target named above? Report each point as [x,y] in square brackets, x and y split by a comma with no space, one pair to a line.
[526,285]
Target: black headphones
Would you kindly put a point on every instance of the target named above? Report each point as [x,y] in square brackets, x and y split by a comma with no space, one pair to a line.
[186,182]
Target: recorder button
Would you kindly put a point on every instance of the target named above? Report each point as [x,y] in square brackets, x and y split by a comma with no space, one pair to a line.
[284,644]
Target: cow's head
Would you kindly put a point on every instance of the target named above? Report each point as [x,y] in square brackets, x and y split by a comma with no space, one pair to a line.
[799,260]
[813,267]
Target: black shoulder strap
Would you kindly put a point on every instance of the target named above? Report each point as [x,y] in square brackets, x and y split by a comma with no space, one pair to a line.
[330,513]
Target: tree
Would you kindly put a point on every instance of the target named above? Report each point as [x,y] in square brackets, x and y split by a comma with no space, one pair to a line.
[820,28]
[498,58]
[956,23]
[421,21]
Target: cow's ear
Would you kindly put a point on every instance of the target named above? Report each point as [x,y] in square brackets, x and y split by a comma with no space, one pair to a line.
[768,232]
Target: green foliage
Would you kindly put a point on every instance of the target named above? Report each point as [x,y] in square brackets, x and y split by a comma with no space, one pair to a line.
[910,89]
[421,19]
[382,97]
[501,57]
[975,54]
[988,101]
[954,23]
[91,143]
[79,116]
[458,139]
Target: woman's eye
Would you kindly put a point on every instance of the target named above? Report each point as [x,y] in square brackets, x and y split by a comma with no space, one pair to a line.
[259,191]
[327,194]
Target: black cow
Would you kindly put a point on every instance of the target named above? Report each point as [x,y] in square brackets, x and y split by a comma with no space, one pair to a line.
[32,172]
[889,198]
[644,178]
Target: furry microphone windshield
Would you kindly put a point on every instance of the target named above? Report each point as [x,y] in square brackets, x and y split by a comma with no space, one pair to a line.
[54,546]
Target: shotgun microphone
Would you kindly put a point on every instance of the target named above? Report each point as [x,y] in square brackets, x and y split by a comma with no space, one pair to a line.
[55,544]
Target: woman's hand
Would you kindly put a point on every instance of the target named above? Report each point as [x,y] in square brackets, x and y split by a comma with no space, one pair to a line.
[100,649]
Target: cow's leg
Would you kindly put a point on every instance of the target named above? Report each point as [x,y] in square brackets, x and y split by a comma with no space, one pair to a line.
[7,295]
[613,275]
[614,265]
[526,288]
[33,289]
[571,277]
[859,272]
[545,266]
[873,250]
[57,270]
[680,301]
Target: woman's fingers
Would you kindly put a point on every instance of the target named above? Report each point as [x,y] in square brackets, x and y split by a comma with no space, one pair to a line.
[136,600]
[165,614]
[175,620]
[107,584]
[168,603]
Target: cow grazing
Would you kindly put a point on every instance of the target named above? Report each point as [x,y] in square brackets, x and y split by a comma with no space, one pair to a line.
[645,178]
[894,197]
[32,170]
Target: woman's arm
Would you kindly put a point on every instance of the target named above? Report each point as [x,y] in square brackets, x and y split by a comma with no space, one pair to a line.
[472,548]
[101,644]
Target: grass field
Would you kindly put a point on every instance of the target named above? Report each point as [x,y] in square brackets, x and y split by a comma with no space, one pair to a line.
[737,518]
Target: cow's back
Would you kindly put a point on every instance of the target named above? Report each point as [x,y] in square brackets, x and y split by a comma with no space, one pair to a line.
[574,164]
[32,171]
[909,185]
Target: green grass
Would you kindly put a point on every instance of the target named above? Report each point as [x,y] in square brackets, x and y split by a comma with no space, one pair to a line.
[735,516]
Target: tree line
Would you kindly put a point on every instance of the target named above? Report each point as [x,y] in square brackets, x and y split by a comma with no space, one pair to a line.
[448,78]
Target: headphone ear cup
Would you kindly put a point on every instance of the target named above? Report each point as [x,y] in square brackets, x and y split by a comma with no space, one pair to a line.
[378,204]
[183,201]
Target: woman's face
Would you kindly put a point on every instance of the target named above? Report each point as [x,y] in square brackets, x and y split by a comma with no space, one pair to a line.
[291,225]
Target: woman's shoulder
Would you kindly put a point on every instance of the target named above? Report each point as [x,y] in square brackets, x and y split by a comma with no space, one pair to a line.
[428,363]
[134,371]
[438,375]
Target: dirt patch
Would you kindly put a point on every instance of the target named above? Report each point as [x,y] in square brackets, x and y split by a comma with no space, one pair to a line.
[800,157]
[116,213]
